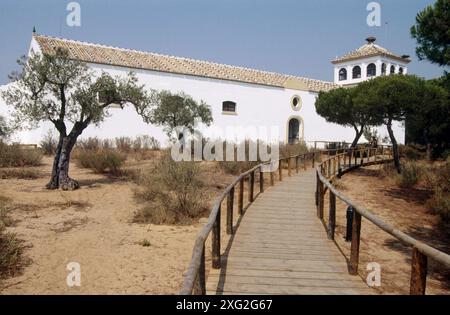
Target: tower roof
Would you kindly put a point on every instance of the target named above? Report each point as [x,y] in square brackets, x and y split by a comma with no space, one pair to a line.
[370,49]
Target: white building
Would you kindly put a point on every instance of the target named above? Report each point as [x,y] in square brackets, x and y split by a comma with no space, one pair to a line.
[239,97]
[368,61]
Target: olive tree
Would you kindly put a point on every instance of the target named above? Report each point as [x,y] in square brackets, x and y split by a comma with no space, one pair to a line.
[178,110]
[68,94]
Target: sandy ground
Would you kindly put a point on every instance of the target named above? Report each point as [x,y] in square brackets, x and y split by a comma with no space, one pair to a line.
[92,226]
[406,211]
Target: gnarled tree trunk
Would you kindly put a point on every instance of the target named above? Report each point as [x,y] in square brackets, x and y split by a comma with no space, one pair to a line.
[60,172]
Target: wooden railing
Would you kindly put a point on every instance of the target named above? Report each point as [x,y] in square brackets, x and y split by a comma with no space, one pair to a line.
[345,161]
[195,278]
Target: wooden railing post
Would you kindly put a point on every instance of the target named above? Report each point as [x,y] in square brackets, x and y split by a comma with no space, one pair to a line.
[329,168]
[200,283]
[313,159]
[304,162]
[334,165]
[251,186]
[272,178]
[356,238]
[321,200]
[216,242]
[261,180]
[317,189]
[332,216]
[280,171]
[296,164]
[241,197]
[419,268]
[350,156]
[289,166]
[230,201]
[356,157]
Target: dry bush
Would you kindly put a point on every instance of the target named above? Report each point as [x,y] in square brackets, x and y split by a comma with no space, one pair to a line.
[20,173]
[288,150]
[145,143]
[387,170]
[17,156]
[339,184]
[410,175]
[412,152]
[124,144]
[102,161]
[172,193]
[49,144]
[90,144]
[11,248]
[236,167]
[438,181]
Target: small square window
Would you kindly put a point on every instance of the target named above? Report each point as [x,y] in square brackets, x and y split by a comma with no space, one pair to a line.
[229,107]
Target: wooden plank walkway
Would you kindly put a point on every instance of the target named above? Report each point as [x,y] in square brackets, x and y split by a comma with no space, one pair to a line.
[281,247]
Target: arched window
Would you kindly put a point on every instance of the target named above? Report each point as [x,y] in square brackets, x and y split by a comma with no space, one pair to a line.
[371,70]
[229,107]
[383,69]
[343,74]
[356,72]
[400,70]
[392,69]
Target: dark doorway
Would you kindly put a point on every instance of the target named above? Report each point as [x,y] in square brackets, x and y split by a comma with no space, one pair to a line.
[294,131]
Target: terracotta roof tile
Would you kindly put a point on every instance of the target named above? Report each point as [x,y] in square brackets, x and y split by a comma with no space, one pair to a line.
[369,50]
[94,53]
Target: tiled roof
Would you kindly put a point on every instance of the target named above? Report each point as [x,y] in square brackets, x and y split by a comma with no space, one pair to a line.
[100,54]
[369,50]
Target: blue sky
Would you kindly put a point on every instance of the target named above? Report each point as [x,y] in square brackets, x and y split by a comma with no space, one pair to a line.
[294,37]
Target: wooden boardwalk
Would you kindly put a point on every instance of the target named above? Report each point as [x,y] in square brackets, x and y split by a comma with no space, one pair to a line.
[281,247]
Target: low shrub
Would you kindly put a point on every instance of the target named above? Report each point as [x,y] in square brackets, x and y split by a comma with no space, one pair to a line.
[236,168]
[145,143]
[17,156]
[124,144]
[19,173]
[287,150]
[172,193]
[412,152]
[90,144]
[49,144]
[438,181]
[409,176]
[439,203]
[11,248]
[102,161]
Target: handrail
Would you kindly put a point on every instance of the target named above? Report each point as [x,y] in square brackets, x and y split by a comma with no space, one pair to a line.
[421,251]
[194,281]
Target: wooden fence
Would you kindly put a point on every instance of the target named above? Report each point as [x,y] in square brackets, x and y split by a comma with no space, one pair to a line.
[345,161]
[195,279]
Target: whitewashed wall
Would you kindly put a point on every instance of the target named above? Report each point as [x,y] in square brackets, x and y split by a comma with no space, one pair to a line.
[257,106]
[363,63]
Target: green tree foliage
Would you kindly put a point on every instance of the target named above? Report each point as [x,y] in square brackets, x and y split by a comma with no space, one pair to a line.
[177,111]
[429,123]
[65,92]
[338,106]
[432,32]
[392,98]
